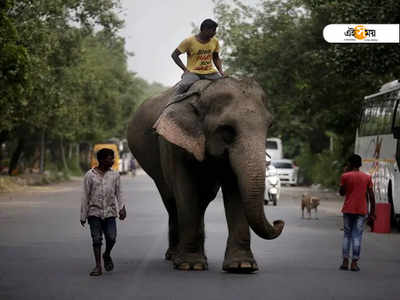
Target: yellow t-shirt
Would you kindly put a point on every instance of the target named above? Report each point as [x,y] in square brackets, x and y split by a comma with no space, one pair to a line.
[199,55]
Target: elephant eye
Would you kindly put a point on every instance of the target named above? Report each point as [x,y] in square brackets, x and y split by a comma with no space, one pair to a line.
[227,133]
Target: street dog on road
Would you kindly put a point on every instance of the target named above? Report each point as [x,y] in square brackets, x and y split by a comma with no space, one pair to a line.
[309,202]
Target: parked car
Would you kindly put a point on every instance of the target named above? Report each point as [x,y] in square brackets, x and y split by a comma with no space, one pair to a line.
[287,171]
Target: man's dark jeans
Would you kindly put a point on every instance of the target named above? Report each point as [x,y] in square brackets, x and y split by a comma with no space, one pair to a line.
[98,227]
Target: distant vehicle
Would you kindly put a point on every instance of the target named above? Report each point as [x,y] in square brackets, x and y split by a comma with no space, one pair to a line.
[272,184]
[97,147]
[287,171]
[378,143]
[273,147]
[125,162]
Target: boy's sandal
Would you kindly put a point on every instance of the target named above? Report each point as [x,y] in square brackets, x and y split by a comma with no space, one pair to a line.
[96,272]
[355,268]
[108,263]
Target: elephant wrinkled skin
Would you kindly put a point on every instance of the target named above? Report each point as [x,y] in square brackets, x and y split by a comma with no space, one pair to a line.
[213,139]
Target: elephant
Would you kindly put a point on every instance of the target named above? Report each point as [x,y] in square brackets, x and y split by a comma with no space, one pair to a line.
[214,138]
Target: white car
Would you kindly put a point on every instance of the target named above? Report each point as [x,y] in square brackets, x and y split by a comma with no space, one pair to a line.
[287,171]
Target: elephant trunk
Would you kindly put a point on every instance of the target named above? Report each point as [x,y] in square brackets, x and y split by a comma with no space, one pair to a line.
[249,167]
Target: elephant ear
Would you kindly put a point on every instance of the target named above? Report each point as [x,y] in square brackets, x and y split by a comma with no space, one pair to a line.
[180,124]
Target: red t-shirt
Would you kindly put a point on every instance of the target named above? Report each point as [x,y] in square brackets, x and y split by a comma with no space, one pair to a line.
[356,184]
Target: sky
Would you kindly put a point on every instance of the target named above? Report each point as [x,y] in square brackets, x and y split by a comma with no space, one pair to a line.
[154,28]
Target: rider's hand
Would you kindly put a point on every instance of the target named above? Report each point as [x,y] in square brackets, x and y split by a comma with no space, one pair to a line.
[83,223]
[184,72]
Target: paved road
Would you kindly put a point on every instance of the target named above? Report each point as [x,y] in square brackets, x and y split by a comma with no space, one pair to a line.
[45,254]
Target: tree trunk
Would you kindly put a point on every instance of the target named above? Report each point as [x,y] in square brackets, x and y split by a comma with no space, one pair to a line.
[16,155]
[62,151]
[42,152]
[70,151]
[3,137]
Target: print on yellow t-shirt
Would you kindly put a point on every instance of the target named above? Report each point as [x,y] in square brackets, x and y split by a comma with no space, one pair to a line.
[199,55]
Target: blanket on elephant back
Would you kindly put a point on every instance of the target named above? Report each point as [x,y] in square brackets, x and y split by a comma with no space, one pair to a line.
[196,89]
[172,122]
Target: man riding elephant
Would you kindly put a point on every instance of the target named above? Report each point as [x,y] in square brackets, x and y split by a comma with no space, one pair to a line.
[202,50]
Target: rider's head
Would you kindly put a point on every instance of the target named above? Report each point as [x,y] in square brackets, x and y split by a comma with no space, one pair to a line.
[208,28]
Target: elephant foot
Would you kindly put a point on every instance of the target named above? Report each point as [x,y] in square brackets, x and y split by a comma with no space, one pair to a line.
[188,262]
[240,263]
[244,267]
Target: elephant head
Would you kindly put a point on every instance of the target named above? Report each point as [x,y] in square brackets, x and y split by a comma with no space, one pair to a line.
[227,121]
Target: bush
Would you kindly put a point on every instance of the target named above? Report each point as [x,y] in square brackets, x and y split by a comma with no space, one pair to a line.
[322,168]
[305,162]
[327,169]
[74,168]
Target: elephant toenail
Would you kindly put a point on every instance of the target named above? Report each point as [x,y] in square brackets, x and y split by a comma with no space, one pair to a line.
[245,265]
[198,267]
[184,267]
[234,266]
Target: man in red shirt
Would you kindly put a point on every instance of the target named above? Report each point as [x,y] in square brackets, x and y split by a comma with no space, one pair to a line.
[356,186]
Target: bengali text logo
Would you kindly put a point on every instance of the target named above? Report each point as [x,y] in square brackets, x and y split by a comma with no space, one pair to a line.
[361,33]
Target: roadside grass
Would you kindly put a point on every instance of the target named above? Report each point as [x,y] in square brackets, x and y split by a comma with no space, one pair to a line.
[21,181]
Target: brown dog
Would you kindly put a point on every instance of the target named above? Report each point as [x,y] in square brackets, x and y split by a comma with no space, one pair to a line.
[309,202]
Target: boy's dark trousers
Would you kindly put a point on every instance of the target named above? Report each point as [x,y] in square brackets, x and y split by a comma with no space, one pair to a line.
[98,227]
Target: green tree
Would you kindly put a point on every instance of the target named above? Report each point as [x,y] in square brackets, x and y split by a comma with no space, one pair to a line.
[47,34]
[314,88]
[13,69]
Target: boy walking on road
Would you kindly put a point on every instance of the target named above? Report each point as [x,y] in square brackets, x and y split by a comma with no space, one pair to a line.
[101,204]
[356,186]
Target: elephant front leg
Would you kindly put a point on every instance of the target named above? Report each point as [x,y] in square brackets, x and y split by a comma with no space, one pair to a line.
[191,255]
[182,181]
[238,255]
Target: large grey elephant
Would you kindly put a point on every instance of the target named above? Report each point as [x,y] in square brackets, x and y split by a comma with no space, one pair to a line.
[213,139]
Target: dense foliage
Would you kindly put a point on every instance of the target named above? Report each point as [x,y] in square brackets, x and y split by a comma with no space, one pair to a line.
[63,76]
[315,88]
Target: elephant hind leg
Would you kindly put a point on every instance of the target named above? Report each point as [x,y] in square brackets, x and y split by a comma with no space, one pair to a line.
[173,237]
[173,233]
